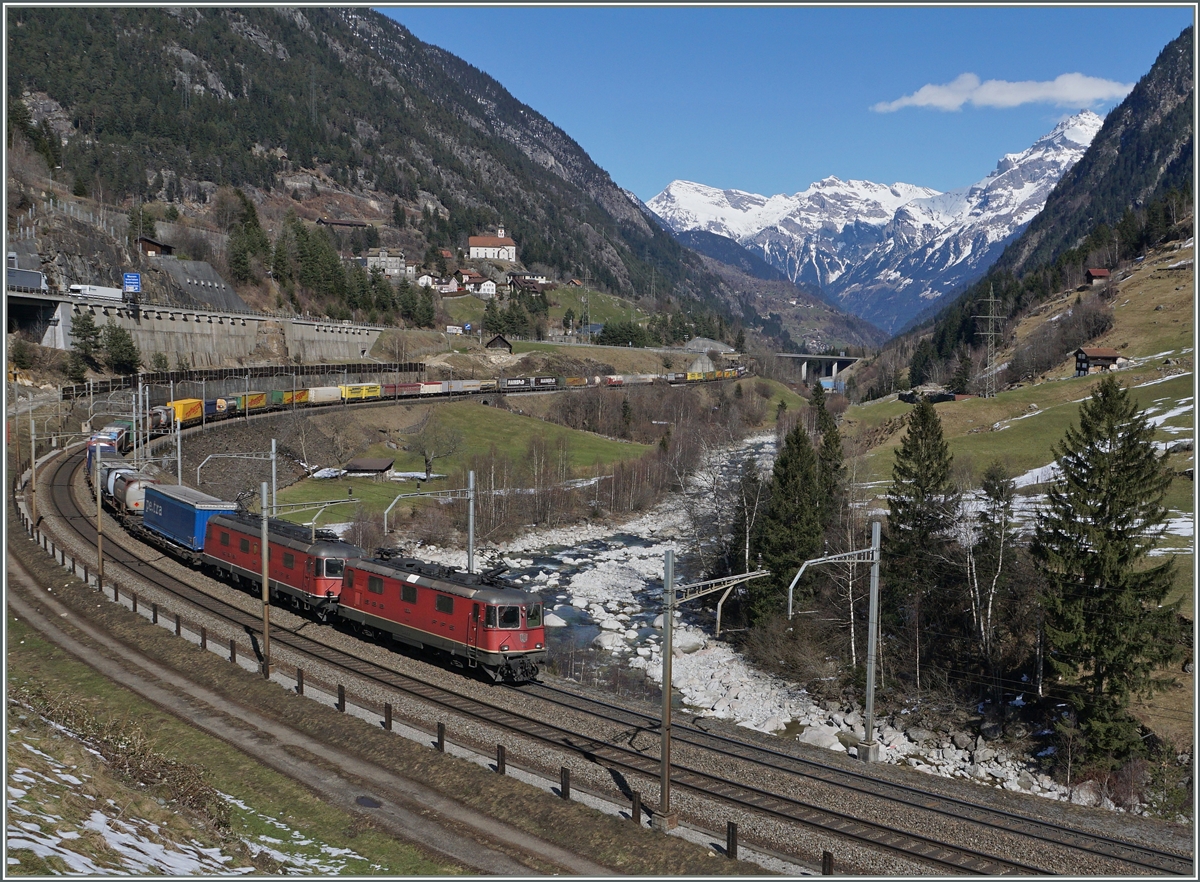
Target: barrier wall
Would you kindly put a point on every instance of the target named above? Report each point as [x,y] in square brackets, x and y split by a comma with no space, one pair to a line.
[208,339]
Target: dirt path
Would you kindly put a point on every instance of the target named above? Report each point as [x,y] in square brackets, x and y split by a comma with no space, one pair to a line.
[406,808]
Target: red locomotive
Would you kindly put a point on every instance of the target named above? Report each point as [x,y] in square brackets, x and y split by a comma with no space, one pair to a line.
[477,617]
[304,570]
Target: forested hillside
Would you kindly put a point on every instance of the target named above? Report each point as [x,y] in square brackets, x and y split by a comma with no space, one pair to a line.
[170,104]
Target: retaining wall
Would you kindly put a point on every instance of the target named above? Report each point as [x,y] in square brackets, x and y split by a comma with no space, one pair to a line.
[209,339]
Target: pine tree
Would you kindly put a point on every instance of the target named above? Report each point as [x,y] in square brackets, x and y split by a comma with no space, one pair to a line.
[830,461]
[789,531]
[120,352]
[921,506]
[85,336]
[1105,623]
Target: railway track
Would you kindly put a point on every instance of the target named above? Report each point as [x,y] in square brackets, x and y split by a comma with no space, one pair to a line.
[581,740]
[1144,858]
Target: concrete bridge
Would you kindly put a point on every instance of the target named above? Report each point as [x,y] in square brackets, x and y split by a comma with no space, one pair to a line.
[202,337]
[822,366]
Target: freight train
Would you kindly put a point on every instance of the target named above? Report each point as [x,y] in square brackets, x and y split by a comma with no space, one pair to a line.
[193,411]
[477,619]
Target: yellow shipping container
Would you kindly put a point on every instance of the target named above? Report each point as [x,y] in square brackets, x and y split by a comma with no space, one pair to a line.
[357,391]
[187,409]
[254,400]
[300,396]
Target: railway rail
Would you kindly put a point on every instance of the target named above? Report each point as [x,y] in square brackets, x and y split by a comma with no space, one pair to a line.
[581,740]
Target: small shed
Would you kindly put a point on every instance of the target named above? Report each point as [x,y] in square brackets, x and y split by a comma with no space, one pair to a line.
[153,248]
[1097,276]
[1090,360]
[369,465]
[498,342]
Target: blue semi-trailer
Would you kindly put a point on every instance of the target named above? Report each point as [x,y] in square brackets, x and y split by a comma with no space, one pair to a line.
[180,514]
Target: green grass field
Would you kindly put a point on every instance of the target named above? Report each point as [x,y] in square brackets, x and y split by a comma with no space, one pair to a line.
[482,429]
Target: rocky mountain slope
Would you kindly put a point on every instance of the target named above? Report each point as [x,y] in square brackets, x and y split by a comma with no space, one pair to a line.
[304,104]
[881,252]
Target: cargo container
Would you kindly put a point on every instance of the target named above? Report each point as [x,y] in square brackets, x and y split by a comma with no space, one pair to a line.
[400,390]
[516,383]
[299,397]
[488,385]
[252,401]
[544,382]
[129,491]
[324,395]
[215,408]
[101,456]
[187,410]
[99,448]
[457,386]
[573,381]
[432,388]
[360,391]
[275,398]
[180,514]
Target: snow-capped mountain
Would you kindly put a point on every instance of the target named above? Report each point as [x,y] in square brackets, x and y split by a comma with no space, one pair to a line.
[886,253]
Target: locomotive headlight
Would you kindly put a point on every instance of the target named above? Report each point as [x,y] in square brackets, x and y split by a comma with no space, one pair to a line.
[538,645]
[504,648]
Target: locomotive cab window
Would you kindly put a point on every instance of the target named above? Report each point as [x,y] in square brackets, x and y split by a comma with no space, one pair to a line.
[443,603]
[375,584]
[510,617]
[224,538]
[533,615]
[408,593]
[490,617]
[334,567]
[244,544]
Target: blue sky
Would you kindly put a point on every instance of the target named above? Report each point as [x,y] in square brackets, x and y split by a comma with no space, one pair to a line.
[771,99]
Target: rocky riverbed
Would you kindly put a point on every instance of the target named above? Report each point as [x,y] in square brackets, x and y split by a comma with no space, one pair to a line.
[602,585]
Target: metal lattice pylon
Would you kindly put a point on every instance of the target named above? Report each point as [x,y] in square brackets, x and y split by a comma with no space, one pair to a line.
[989,370]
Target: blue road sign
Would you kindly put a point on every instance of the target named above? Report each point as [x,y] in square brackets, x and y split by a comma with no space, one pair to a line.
[133,283]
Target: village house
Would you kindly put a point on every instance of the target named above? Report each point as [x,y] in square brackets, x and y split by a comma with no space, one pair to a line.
[1092,360]
[391,262]
[498,247]
[425,280]
[446,286]
[1097,276]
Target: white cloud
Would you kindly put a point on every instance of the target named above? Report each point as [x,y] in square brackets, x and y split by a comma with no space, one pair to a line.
[1065,90]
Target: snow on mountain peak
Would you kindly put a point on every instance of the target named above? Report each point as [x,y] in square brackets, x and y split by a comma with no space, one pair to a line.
[878,246]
